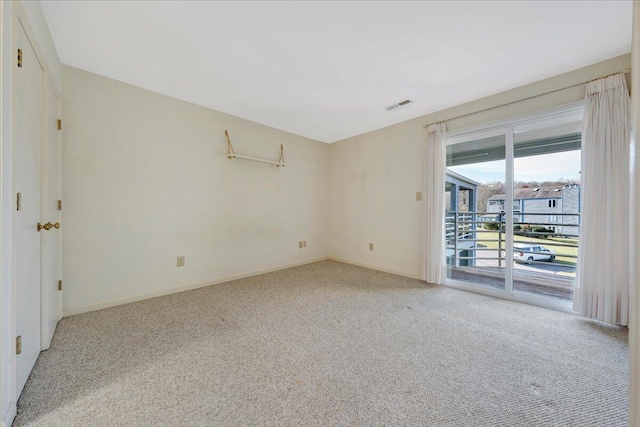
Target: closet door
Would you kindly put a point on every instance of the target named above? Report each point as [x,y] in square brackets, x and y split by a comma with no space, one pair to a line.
[27,140]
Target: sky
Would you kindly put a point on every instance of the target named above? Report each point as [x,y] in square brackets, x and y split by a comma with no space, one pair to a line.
[546,167]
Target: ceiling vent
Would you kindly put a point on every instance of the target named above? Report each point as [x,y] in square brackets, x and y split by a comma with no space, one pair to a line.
[399,105]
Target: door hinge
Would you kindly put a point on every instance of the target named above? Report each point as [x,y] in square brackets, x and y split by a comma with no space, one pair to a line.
[59,285]
[59,124]
[19,344]
[59,205]
[19,58]
[19,202]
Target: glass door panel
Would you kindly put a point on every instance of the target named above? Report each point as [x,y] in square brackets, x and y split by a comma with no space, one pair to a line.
[546,210]
[474,217]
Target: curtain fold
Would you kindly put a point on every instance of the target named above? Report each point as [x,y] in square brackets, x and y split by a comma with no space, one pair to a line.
[433,243]
[602,281]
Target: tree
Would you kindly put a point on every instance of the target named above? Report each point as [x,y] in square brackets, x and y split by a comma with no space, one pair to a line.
[485,191]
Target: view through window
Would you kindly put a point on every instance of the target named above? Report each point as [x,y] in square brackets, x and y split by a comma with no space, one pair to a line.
[545,211]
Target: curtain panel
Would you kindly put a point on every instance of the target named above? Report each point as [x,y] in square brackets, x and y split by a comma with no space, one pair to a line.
[602,282]
[433,243]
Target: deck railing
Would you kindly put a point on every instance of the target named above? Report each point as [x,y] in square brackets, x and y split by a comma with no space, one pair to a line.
[473,232]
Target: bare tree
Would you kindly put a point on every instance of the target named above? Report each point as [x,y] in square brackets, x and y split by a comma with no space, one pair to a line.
[485,191]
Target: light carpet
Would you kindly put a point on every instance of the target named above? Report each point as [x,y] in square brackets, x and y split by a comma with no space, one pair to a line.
[329,344]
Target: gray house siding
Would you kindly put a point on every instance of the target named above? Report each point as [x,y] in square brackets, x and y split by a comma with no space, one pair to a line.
[542,206]
[572,204]
[549,202]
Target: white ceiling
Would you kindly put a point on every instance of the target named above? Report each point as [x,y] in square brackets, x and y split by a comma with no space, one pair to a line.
[327,70]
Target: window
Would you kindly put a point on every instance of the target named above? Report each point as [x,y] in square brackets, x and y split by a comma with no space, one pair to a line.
[520,166]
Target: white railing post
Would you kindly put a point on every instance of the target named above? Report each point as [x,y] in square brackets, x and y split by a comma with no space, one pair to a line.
[455,238]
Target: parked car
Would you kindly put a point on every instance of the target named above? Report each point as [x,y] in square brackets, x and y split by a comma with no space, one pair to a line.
[527,252]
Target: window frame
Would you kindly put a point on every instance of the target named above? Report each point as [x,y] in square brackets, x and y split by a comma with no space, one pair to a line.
[567,113]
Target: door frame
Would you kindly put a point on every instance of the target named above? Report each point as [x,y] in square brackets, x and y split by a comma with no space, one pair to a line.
[563,114]
[11,14]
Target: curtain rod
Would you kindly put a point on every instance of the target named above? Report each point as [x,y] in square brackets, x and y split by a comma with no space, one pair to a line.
[626,71]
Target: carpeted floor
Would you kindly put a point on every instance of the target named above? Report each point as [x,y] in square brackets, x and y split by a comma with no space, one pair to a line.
[329,344]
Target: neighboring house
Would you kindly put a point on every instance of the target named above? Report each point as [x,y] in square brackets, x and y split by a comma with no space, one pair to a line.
[461,216]
[550,201]
[461,192]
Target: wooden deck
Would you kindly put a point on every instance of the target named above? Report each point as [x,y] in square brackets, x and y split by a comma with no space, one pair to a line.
[551,285]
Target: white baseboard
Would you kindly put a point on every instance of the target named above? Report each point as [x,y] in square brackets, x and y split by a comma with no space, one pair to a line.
[93,307]
[9,416]
[375,267]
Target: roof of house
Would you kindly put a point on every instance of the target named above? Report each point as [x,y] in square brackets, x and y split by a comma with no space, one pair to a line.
[456,175]
[533,193]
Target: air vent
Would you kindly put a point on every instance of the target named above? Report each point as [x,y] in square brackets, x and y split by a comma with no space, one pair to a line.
[399,105]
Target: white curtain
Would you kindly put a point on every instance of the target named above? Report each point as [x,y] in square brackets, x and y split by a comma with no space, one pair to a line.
[433,243]
[602,282]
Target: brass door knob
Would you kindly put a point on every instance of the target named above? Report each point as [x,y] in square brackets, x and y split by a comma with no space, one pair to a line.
[48,226]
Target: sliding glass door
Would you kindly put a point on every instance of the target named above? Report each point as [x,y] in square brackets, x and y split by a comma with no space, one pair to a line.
[513,202]
[547,219]
[475,238]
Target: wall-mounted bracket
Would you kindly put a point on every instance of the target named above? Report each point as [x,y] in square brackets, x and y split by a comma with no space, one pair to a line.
[231,154]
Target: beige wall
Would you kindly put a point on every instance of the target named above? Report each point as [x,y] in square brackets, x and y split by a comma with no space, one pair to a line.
[374,177]
[146,179]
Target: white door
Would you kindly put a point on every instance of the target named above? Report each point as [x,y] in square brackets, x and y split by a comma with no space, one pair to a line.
[27,134]
[51,212]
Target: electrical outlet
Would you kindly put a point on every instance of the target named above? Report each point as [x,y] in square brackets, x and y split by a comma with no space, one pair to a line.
[304,244]
[418,196]
[180,262]
[370,246]
[300,244]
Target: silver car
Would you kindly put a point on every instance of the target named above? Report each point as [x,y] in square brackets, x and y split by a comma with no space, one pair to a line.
[530,252]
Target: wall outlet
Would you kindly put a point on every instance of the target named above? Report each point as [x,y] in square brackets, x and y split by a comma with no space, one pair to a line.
[419,196]
[180,262]
[304,244]
[300,245]
[370,246]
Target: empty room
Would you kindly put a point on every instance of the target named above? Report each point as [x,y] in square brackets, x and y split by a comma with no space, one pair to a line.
[324,213]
